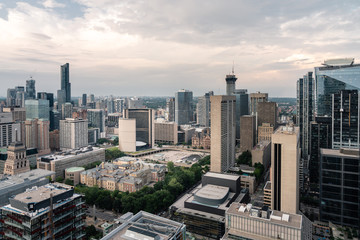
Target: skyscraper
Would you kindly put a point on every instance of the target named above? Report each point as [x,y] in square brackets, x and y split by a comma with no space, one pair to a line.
[30,89]
[84,99]
[230,83]
[65,81]
[255,98]
[345,117]
[170,108]
[222,132]
[37,108]
[96,118]
[285,169]
[203,109]
[242,108]
[183,106]
[334,76]
[73,133]
[11,96]
[247,132]
[267,112]
[37,135]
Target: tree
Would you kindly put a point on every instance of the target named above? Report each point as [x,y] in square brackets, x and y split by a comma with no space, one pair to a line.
[113,153]
[116,141]
[69,182]
[170,166]
[59,179]
[245,158]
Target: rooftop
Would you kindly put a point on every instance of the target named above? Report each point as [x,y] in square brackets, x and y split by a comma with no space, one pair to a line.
[69,154]
[276,217]
[339,62]
[289,130]
[352,153]
[222,176]
[213,192]
[75,169]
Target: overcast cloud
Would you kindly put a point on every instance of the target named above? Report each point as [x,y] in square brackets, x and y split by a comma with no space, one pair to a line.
[154,48]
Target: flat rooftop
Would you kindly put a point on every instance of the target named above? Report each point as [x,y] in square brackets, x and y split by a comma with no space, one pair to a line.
[213,192]
[69,154]
[11,181]
[293,220]
[38,194]
[290,130]
[222,176]
[351,153]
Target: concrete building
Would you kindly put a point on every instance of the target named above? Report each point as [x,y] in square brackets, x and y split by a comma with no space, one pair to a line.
[8,129]
[183,106]
[135,103]
[93,135]
[247,132]
[66,110]
[267,194]
[144,225]
[37,108]
[113,119]
[248,182]
[18,116]
[54,140]
[37,135]
[73,133]
[52,211]
[285,155]
[201,138]
[73,174]
[203,209]
[185,133]
[261,153]
[170,109]
[248,222]
[119,105]
[60,161]
[203,109]
[16,161]
[267,112]
[145,119]
[264,132]
[222,132]
[124,174]
[96,119]
[127,135]
[166,132]
[255,98]
[339,186]
[242,108]
[12,185]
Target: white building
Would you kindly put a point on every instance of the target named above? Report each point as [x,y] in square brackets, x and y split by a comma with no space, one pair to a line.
[73,133]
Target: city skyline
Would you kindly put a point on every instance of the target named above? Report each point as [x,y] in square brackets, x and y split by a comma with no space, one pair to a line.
[130,44]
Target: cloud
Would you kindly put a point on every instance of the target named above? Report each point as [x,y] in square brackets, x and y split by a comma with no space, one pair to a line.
[156,47]
[52,4]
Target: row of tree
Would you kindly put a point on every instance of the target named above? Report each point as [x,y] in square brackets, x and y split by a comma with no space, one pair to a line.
[150,199]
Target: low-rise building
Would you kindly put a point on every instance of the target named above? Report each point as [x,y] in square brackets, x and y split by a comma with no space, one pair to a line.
[267,194]
[144,225]
[248,182]
[52,211]
[12,185]
[73,174]
[166,132]
[264,132]
[248,222]
[60,161]
[124,174]
[261,153]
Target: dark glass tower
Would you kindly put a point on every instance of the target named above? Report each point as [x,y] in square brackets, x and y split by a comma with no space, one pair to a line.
[183,106]
[84,99]
[30,89]
[65,81]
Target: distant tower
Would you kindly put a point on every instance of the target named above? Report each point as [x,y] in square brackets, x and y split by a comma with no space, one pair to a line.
[183,106]
[65,81]
[30,89]
[230,82]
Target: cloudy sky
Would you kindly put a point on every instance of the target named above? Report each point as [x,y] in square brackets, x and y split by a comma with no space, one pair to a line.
[155,47]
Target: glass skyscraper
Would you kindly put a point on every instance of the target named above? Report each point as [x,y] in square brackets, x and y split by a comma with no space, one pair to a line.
[183,106]
[65,81]
[37,109]
[334,76]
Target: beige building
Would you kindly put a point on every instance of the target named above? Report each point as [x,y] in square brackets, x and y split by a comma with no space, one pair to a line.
[18,116]
[223,134]
[261,153]
[267,194]
[267,112]
[127,135]
[166,132]
[76,158]
[255,98]
[248,222]
[247,132]
[73,174]
[264,132]
[54,140]
[285,155]
[37,135]
[248,182]
[73,133]
[16,161]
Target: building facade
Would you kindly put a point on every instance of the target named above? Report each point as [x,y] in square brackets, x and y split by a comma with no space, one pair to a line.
[96,119]
[255,98]
[73,133]
[166,132]
[37,108]
[223,112]
[37,135]
[247,132]
[170,108]
[65,81]
[183,106]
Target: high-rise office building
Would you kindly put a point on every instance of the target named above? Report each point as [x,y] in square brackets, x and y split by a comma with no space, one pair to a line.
[47,96]
[170,108]
[285,169]
[183,106]
[230,83]
[223,111]
[335,75]
[96,118]
[19,117]
[37,108]
[73,133]
[203,109]
[255,98]
[110,105]
[66,110]
[345,117]
[119,105]
[61,98]
[84,100]
[242,107]
[65,81]
[20,96]
[145,120]
[339,186]
[320,137]
[247,132]
[267,112]
[8,129]
[11,97]
[30,89]
[305,110]
[37,135]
